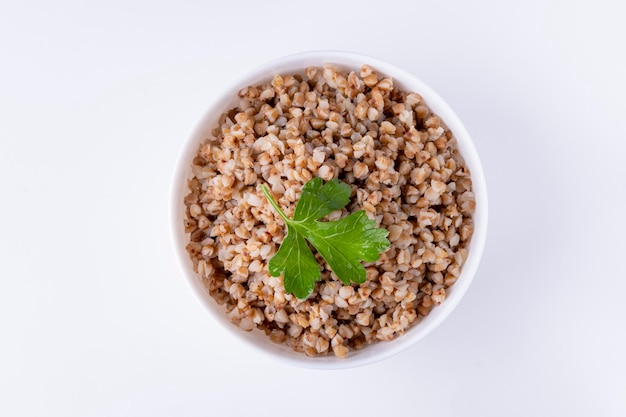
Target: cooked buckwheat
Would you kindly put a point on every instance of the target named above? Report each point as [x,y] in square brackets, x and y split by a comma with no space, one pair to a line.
[405,171]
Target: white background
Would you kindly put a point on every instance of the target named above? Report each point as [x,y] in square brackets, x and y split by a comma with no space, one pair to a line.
[96,99]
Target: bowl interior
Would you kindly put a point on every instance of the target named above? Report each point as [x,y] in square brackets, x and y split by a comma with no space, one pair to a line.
[295,64]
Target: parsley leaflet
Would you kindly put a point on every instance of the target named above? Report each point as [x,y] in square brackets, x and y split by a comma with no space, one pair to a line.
[343,243]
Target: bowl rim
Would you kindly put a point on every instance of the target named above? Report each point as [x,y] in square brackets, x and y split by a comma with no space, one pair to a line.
[435,102]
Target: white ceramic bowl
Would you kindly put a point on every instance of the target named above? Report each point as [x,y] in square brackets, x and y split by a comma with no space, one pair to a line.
[402,79]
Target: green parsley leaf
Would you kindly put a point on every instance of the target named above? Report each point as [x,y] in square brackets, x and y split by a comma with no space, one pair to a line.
[343,243]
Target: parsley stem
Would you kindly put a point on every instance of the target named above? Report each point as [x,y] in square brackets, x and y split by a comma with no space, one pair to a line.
[274,203]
